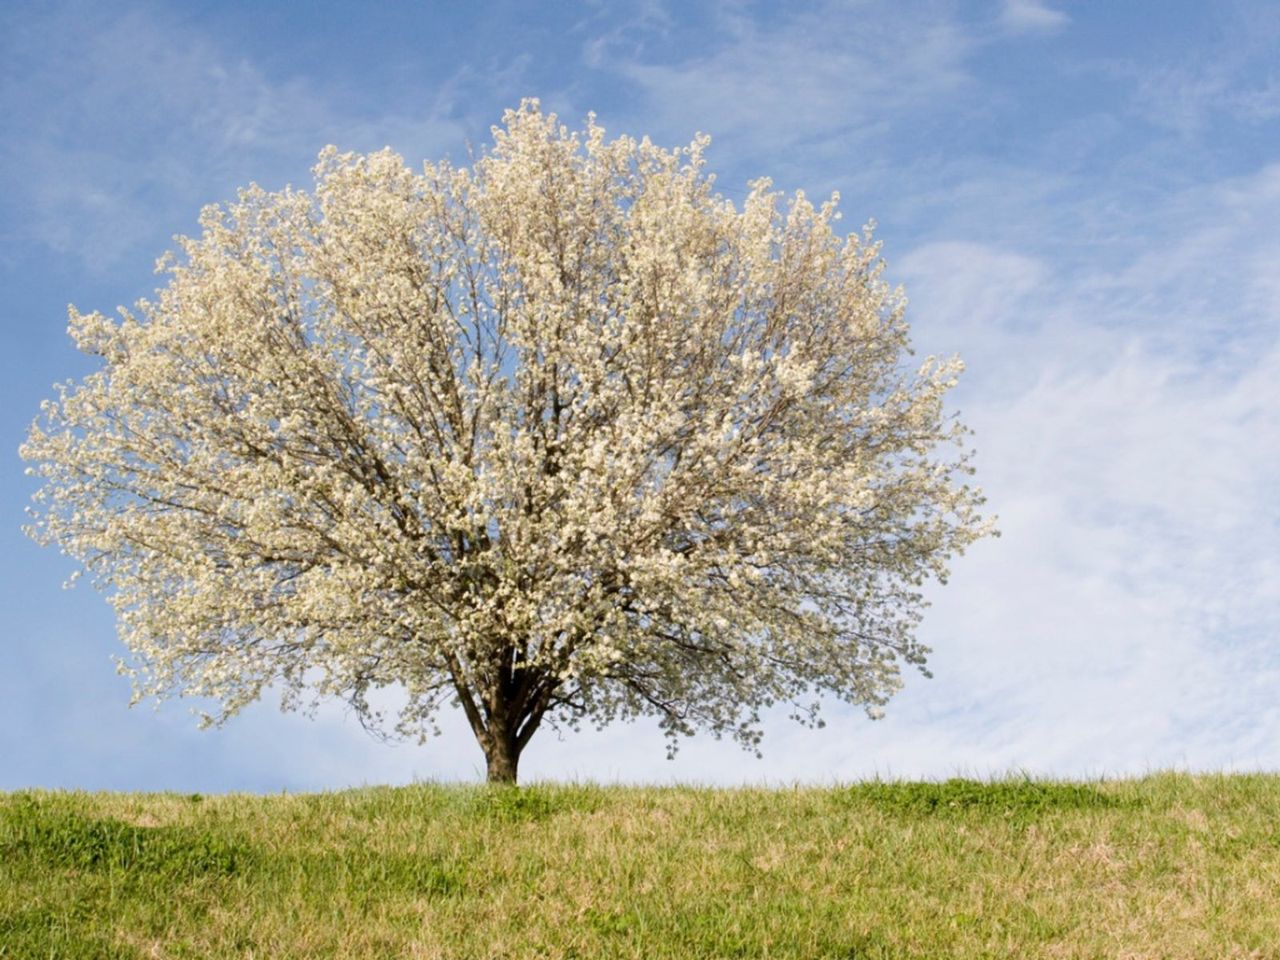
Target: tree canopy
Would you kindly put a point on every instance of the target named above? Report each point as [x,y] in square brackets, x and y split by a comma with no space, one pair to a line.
[560,436]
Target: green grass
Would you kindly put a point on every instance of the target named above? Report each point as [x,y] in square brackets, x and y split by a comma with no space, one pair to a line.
[1169,866]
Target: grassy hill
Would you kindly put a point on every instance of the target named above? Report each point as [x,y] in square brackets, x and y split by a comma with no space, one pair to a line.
[1168,866]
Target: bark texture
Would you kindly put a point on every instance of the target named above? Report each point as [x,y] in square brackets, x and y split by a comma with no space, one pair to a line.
[502,758]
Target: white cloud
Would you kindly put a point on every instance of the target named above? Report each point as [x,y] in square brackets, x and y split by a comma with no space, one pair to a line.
[1229,77]
[120,127]
[829,71]
[1032,16]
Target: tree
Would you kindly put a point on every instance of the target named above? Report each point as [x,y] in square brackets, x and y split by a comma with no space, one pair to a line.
[564,436]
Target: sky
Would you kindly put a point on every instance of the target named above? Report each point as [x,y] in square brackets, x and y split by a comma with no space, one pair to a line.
[1081,199]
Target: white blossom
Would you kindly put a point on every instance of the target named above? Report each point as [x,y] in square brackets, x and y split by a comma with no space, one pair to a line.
[561,436]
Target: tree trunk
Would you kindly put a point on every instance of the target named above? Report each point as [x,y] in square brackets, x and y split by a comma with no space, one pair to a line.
[502,757]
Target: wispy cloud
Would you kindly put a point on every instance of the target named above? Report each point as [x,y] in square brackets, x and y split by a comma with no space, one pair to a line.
[828,72]
[1229,78]
[119,123]
[1188,98]
[1032,16]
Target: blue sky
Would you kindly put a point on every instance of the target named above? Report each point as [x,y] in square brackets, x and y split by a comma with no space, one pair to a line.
[1081,199]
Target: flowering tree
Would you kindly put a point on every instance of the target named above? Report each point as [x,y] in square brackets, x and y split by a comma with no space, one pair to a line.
[563,436]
